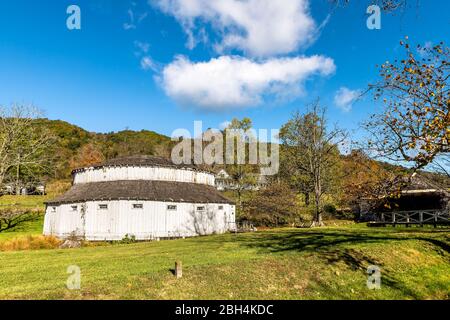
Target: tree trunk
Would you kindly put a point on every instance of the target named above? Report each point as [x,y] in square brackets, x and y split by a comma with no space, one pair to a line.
[307,199]
[19,156]
[318,211]
[318,219]
[17,180]
[239,201]
[318,215]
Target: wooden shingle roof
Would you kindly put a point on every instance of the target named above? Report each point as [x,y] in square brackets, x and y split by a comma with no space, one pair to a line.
[420,182]
[166,191]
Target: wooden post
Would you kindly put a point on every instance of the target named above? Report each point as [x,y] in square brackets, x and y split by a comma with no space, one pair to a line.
[421,218]
[407,219]
[178,269]
[393,218]
[435,219]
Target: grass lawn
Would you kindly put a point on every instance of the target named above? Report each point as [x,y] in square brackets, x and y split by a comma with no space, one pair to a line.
[30,202]
[24,202]
[324,263]
[32,228]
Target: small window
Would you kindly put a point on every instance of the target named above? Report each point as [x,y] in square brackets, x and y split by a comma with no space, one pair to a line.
[103,207]
[172,207]
[200,208]
[53,209]
[74,208]
[138,206]
[220,207]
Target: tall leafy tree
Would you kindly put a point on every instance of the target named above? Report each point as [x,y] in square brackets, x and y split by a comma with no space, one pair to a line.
[241,172]
[298,180]
[312,149]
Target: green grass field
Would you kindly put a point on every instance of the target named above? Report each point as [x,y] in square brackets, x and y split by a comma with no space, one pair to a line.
[24,202]
[30,202]
[324,263]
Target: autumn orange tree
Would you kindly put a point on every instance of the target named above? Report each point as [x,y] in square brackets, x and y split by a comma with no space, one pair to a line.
[87,155]
[414,126]
[365,178]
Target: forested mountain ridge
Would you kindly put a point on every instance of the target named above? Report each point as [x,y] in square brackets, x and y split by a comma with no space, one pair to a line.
[75,146]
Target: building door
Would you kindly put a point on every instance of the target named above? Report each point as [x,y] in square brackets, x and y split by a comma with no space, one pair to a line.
[172,221]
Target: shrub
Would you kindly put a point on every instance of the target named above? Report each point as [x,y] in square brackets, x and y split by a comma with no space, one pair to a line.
[329,209]
[272,206]
[129,238]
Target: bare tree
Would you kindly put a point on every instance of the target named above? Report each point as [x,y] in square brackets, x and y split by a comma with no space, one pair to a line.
[313,150]
[23,144]
[441,164]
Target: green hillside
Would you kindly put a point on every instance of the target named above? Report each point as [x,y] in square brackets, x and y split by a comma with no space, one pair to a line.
[70,139]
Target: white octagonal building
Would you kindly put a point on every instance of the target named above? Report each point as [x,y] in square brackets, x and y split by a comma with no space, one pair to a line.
[141,196]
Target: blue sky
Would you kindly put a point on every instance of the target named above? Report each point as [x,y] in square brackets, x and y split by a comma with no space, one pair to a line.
[135,65]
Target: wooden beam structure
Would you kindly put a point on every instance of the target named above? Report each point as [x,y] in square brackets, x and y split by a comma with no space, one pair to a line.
[414,217]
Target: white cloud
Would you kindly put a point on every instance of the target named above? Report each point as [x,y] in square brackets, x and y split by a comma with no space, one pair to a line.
[147,63]
[344,98]
[233,82]
[130,25]
[260,28]
[142,46]
[142,16]
[134,17]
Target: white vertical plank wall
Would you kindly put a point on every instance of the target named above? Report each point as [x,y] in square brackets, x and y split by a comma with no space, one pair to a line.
[155,220]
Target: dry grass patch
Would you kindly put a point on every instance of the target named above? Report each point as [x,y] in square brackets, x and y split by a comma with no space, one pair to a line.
[30,243]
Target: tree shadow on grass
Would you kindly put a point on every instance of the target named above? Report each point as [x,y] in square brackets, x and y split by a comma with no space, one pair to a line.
[331,245]
[313,241]
[438,243]
[400,291]
[354,259]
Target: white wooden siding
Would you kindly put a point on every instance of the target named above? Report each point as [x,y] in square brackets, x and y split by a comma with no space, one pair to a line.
[143,173]
[154,220]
